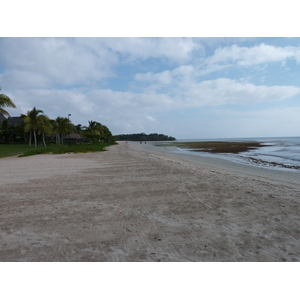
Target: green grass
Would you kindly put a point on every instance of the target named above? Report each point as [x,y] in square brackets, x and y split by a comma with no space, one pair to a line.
[12,149]
[25,150]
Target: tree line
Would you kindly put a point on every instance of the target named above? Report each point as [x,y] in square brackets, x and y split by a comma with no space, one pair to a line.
[36,125]
[144,137]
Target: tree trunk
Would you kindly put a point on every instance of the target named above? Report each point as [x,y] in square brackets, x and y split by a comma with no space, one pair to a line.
[44,140]
[35,142]
[30,138]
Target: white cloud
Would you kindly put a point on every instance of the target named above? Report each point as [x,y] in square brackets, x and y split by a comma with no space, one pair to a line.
[227,91]
[151,119]
[48,62]
[187,92]
[105,106]
[174,49]
[164,77]
[225,57]
[182,74]
[40,62]
[23,79]
[247,56]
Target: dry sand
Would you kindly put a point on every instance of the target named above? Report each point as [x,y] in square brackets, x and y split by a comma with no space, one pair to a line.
[142,203]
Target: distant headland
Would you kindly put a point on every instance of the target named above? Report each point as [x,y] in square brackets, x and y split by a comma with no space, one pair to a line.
[144,137]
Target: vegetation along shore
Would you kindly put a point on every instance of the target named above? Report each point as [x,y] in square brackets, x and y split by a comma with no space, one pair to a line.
[60,135]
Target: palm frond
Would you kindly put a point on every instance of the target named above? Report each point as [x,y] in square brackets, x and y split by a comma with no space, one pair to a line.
[5,101]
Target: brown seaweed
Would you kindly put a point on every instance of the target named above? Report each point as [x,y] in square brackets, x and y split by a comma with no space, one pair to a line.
[219,147]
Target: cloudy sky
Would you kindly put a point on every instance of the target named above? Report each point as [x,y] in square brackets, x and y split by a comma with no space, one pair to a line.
[184,87]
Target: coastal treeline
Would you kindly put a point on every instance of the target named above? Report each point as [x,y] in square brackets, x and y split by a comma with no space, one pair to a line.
[144,137]
[35,127]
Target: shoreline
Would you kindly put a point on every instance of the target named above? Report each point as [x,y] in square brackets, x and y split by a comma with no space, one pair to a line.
[286,176]
[136,203]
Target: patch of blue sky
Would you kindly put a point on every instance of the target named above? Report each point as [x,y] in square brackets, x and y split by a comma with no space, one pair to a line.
[126,71]
[282,42]
[277,73]
[271,73]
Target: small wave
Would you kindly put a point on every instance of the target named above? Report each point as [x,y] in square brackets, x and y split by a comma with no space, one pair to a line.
[265,163]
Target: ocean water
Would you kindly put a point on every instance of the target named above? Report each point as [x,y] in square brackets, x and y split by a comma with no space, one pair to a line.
[282,153]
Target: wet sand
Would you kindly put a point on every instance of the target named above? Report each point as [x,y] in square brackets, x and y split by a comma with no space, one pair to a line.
[144,203]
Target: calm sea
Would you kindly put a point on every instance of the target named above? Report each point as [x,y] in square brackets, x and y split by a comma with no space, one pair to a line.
[281,153]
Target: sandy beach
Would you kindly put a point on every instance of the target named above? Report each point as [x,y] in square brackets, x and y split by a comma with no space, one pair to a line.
[144,203]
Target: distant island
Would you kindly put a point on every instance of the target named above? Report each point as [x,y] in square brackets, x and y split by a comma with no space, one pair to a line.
[144,137]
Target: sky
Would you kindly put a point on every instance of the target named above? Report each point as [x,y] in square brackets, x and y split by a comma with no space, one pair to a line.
[183,87]
[217,84]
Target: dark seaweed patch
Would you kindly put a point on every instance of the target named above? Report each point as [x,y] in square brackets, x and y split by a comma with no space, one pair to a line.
[219,147]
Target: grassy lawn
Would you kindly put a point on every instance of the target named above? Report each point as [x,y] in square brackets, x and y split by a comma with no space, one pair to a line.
[25,150]
[12,149]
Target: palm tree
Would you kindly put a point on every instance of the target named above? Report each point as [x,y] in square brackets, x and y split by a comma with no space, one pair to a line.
[45,127]
[97,131]
[93,131]
[54,131]
[106,133]
[77,128]
[62,127]
[94,127]
[5,101]
[36,122]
